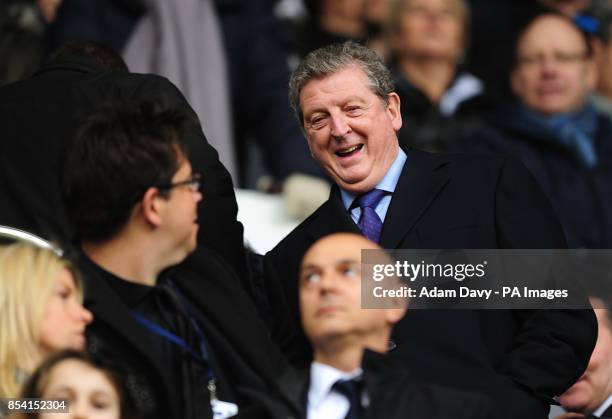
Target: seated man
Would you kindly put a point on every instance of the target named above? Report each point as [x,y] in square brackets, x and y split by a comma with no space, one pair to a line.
[592,394]
[554,129]
[188,336]
[350,376]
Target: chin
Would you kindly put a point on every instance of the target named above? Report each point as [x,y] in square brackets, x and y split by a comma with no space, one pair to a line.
[575,400]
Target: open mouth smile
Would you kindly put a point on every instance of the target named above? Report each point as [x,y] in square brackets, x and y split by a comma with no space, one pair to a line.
[349,151]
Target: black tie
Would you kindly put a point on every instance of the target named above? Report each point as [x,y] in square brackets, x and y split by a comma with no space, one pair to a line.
[350,389]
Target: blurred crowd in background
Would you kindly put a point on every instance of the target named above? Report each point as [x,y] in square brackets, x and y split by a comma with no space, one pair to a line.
[451,59]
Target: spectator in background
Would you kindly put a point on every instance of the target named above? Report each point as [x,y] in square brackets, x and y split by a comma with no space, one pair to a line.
[244,34]
[23,26]
[428,39]
[555,131]
[331,21]
[495,28]
[40,312]
[591,396]
[376,15]
[92,389]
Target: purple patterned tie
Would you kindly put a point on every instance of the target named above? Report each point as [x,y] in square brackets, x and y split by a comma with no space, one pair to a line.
[369,222]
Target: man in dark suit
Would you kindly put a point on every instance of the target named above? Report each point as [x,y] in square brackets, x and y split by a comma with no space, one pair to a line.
[351,375]
[39,114]
[344,98]
[188,336]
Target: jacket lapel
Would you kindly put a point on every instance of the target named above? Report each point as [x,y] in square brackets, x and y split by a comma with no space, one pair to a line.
[332,217]
[422,178]
[294,385]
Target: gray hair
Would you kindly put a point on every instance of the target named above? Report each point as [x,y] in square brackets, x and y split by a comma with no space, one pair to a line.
[330,59]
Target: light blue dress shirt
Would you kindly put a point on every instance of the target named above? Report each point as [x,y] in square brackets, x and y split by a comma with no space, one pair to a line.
[388,183]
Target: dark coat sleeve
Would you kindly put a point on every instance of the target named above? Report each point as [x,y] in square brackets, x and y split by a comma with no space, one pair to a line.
[219,228]
[552,347]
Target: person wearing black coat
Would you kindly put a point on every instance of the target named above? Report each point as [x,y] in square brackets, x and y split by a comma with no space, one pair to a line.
[38,116]
[350,344]
[185,330]
[435,201]
[256,50]
[555,131]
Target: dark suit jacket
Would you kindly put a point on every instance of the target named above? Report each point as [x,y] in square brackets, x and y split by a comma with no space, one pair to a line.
[392,391]
[38,116]
[454,201]
[244,354]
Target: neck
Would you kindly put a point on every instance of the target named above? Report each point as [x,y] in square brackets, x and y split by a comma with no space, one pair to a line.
[130,258]
[432,76]
[346,354]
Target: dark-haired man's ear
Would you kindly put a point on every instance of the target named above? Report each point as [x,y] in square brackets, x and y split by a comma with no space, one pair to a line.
[150,206]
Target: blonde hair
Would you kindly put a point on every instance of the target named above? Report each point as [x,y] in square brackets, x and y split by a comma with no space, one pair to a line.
[27,277]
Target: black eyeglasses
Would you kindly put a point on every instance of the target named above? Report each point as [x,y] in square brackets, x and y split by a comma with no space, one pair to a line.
[192,183]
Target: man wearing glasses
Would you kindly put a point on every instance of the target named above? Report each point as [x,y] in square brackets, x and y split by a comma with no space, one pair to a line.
[187,335]
[554,129]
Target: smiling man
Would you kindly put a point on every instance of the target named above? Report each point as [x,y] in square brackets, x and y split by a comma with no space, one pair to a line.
[176,324]
[343,96]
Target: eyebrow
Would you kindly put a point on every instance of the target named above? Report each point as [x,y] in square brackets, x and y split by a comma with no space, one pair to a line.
[338,262]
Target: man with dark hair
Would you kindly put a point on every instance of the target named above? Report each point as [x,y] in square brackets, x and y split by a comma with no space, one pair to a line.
[344,99]
[189,335]
[39,114]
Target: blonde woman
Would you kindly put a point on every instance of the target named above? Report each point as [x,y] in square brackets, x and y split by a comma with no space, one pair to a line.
[41,311]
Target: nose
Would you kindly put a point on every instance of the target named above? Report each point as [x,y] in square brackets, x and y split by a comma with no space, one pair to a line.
[197,196]
[548,67]
[78,409]
[327,282]
[80,313]
[339,126]
[86,315]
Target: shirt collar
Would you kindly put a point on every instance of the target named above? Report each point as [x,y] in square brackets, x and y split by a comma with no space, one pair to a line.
[604,406]
[388,182]
[322,378]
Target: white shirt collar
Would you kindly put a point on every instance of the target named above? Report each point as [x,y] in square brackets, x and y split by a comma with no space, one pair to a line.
[322,378]
[604,406]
